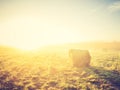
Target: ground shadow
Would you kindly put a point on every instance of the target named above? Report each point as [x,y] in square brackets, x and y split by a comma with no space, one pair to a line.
[111,76]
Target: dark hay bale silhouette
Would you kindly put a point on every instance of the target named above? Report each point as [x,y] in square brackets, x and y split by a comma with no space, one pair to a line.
[80,58]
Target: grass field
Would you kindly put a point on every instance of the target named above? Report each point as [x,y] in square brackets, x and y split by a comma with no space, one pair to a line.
[51,69]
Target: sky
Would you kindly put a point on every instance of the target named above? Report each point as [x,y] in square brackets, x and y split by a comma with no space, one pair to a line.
[30,24]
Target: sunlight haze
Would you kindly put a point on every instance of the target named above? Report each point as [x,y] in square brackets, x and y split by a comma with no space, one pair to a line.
[32,24]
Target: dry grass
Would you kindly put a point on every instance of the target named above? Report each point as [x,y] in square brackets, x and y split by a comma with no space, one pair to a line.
[52,70]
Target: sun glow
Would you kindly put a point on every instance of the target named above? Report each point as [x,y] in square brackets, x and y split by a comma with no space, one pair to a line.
[33,25]
[30,33]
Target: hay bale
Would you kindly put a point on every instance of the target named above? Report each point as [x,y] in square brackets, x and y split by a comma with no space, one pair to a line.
[80,58]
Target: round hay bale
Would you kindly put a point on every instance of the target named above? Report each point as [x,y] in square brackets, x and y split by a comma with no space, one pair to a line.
[80,58]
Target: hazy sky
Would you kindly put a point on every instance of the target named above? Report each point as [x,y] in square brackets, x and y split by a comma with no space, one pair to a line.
[34,23]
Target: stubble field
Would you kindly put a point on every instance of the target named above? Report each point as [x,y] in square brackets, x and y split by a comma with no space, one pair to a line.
[51,69]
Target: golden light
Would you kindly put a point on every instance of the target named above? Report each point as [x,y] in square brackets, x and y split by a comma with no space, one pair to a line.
[30,25]
[31,33]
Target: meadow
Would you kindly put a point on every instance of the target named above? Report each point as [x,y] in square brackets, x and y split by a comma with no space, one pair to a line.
[50,68]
